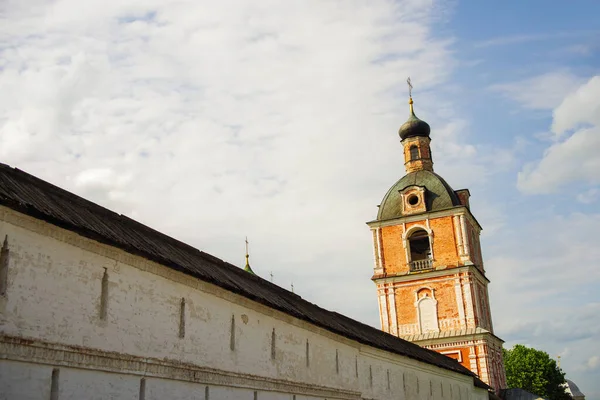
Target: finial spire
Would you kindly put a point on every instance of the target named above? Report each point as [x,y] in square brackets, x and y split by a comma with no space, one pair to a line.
[247,267]
[410,100]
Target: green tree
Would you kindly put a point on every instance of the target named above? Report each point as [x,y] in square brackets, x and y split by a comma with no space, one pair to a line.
[533,370]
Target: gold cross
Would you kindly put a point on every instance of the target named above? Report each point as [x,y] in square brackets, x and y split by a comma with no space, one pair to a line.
[410,86]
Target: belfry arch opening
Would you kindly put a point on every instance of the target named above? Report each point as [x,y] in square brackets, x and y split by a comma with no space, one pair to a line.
[420,250]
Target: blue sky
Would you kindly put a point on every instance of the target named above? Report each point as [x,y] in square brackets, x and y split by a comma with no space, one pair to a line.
[519,62]
[212,122]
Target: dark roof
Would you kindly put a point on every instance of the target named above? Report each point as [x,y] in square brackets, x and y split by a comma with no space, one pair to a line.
[29,195]
[414,127]
[573,388]
[438,196]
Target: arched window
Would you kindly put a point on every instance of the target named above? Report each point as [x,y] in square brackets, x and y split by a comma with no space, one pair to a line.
[414,152]
[420,250]
[427,314]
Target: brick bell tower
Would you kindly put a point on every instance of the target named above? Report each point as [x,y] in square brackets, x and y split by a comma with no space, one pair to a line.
[429,271]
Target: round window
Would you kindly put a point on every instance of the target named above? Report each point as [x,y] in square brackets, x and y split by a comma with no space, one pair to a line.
[413,200]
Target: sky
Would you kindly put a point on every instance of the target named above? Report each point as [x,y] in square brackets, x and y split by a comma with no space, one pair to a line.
[213,121]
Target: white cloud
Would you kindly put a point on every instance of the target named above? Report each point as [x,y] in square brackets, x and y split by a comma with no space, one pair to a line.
[579,108]
[211,121]
[574,159]
[543,290]
[541,92]
[592,363]
[588,197]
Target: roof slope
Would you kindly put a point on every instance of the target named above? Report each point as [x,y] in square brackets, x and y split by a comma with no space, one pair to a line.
[32,196]
[439,194]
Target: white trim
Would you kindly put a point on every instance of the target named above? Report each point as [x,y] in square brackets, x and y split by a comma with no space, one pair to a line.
[378,234]
[458,235]
[375,247]
[463,228]
[383,311]
[470,312]
[459,359]
[413,228]
[447,273]
[435,313]
[478,308]
[393,317]
[435,316]
[460,302]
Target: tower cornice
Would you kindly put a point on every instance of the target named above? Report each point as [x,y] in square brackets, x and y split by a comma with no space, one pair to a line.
[449,272]
[450,338]
[456,210]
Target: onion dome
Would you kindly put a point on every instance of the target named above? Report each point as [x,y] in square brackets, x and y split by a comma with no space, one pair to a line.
[414,126]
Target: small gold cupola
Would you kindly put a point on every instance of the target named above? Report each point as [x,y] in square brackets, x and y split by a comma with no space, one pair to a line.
[247,268]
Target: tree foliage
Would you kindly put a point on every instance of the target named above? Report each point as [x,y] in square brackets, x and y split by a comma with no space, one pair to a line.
[533,370]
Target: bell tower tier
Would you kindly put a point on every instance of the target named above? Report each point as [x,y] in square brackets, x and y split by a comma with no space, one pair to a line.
[429,271]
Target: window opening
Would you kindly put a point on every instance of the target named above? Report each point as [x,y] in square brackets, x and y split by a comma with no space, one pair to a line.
[420,251]
[413,200]
[414,152]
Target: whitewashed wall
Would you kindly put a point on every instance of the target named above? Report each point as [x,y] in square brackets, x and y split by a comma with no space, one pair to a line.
[50,319]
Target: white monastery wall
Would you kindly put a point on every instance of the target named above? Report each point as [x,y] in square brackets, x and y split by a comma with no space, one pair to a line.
[54,343]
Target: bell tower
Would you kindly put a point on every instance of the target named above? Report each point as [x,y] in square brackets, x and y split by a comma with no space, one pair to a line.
[429,271]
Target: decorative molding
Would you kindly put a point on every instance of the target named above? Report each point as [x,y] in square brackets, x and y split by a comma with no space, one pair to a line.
[393,316]
[40,352]
[384,311]
[433,318]
[459,358]
[454,336]
[457,233]
[455,210]
[413,228]
[460,304]
[441,275]
[380,249]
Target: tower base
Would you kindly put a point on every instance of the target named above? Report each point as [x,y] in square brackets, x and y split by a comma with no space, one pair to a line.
[476,349]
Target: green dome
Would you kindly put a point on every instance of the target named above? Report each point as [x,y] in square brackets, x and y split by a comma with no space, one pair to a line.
[438,194]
